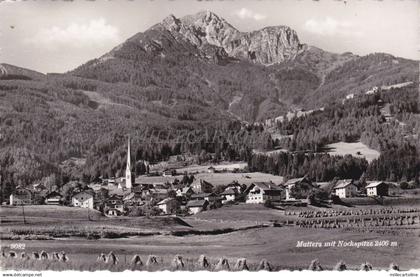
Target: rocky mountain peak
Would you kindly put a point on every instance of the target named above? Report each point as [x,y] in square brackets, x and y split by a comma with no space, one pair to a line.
[266,46]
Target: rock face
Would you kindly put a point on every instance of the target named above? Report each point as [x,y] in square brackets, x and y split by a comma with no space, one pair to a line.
[205,29]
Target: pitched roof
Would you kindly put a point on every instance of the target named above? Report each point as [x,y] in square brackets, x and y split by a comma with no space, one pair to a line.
[294,180]
[198,195]
[266,186]
[85,192]
[196,203]
[343,183]
[165,201]
[229,191]
[374,184]
[53,194]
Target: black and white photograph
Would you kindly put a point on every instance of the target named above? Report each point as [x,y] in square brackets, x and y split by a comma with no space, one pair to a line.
[166,137]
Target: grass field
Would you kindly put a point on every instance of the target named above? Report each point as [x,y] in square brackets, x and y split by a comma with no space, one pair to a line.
[218,178]
[247,237]
[352,148]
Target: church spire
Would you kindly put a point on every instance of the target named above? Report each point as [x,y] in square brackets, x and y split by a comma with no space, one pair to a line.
[128,183]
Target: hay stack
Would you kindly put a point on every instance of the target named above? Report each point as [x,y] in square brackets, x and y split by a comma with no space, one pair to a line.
[151,260]
[223,264]
[35,255]
[177,263]
[203,262]
[43,255]
[55,256]
[111,258]
[264,265]
[63,256]
[366,266]
[101,258]
[241,264]
[136,260]
[24,256]
[315,265]
[393,266]
[12,254]
[340,266]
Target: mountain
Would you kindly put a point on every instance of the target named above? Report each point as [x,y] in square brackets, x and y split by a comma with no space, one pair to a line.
[192,76]
[9,72]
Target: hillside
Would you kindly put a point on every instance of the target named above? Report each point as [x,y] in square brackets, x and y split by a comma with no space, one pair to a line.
[187,85]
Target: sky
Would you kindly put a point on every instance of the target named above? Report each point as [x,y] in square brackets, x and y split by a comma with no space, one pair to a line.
[57,36]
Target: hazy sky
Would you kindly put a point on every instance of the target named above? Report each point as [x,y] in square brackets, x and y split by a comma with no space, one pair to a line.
[56,36]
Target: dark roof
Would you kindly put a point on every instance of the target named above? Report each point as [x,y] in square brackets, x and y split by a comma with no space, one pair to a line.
[53,194]
[266,186]
[197,203]
[201,195]
[91,193]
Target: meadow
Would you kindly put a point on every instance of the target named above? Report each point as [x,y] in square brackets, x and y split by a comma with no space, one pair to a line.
[239,231]
[217,179]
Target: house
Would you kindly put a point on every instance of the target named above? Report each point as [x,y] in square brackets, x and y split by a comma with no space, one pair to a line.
[185,192]
[298,188]
[210,197]
[377,188]
[114,202]
[235,185]
[113,212]
[160,186]
[229,195]
[21,196]
[196,206]
[83,199]
[168,205]
[211,169]
[261,192]
[53,198]
[169,172]
[202,186]
[345,188]
[132,199]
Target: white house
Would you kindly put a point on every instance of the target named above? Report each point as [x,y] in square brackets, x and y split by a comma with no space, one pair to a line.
[82,199]
[261,192]
[229,195]
[302,184]
[21,196]
[345,188]
[196,206]
[377,188]
[168,205]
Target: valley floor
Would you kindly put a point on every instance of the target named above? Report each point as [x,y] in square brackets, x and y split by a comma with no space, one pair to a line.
[240,231]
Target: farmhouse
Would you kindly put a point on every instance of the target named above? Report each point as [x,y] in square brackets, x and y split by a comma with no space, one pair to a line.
[261,192]
[229,195]
[83,199]
[202,186]
[21,196]
[298,188]
[377,188]
[196,206]
[345,188]
[210,197]
[114,203]
[185,192]
[53,198]
[168,205]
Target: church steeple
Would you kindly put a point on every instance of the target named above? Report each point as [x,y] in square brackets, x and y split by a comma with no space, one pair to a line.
[128,183]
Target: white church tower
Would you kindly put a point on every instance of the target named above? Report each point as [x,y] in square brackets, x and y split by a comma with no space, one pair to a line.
[128,183]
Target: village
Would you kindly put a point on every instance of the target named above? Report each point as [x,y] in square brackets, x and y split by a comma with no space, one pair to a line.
[185,194]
